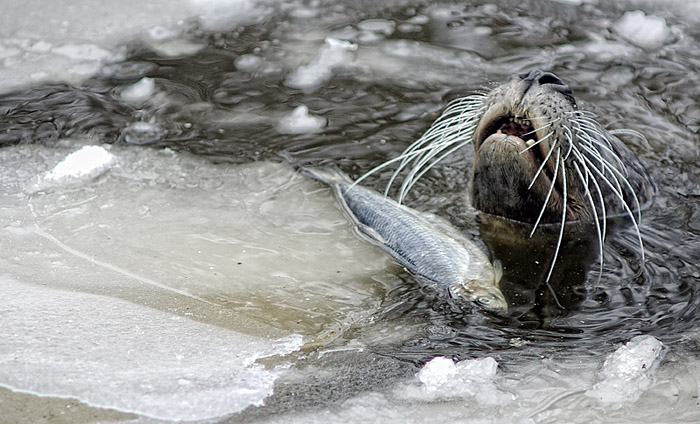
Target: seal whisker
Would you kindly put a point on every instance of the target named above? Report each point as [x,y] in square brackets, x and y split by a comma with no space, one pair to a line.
[589,196]
[537,142]
[414,179]
[561,226]
[628,211]
[549,193]
[581,160]
[626,183]
[539,170]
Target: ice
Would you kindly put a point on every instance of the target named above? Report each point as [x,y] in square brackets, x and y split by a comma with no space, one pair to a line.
[627,372]
[300,121]
[333,55]
[443,379]
[155,288]
[114,354]
[373,30]
[139,92]
[75,39]
[219,15]
[643,30]
[248,63]
[87,163]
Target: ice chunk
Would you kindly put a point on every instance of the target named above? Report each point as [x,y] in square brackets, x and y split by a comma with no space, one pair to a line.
[248,63]
[85,164]
[642,30]
[443,379]
[139,92]
[111,353]
[334,54]
[300,121]
[627,372]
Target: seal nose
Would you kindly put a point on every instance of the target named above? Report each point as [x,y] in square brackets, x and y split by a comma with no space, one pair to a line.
[542,78]
[537,77]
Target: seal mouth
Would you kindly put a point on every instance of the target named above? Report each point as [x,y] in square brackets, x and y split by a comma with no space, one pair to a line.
[521,132]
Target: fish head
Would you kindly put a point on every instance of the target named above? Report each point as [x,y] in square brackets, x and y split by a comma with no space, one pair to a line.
[483,293]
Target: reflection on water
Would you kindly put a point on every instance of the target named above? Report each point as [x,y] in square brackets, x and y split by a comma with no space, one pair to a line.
[225,101]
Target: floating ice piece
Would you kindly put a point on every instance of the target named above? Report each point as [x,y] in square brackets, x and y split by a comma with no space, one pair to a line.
[334,54]
[83,165]
[139,92]
[642,30]
[443,379]
[300,121]
[248,63]
[111,353]
[627,372]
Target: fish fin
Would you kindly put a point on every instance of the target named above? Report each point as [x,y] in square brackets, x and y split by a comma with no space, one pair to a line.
[371,234]
[498,270]
[328,175]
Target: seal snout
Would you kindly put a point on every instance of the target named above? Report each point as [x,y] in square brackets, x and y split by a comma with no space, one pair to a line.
[538,78]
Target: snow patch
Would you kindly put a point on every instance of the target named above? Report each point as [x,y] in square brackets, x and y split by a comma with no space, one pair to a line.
[627,372]
[645,31]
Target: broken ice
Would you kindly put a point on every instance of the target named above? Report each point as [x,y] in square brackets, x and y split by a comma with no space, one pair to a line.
[627,372]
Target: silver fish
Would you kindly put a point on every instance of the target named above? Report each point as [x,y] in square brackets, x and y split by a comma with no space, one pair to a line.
[427,246]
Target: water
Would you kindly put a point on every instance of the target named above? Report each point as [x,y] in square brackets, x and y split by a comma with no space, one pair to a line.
[200,227]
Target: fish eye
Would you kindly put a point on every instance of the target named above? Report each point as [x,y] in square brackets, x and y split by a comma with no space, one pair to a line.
[485,301]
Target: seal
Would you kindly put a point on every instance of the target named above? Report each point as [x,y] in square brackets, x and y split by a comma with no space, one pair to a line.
[539,158]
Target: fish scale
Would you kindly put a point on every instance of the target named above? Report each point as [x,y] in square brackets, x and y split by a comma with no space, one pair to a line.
[426,245]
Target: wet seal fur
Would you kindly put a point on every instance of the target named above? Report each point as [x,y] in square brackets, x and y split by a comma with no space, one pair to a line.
[539,159]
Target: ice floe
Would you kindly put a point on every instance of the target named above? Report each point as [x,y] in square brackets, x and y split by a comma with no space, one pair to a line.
[643,30]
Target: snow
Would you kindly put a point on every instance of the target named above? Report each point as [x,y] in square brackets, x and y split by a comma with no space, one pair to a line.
[300,121]
[643,30]
[333,55]
[627,372]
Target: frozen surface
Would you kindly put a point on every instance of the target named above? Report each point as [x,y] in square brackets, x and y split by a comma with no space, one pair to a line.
[70,41]
[155,287]
[628,372]
[114,354]
[300,121]
[333,55]
[643,30]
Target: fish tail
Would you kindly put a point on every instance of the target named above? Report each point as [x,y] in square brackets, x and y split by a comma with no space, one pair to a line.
[328,175]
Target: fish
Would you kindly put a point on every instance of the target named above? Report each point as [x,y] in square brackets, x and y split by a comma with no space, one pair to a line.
[427,246]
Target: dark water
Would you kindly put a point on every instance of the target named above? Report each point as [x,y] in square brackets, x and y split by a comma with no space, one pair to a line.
[375,110]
